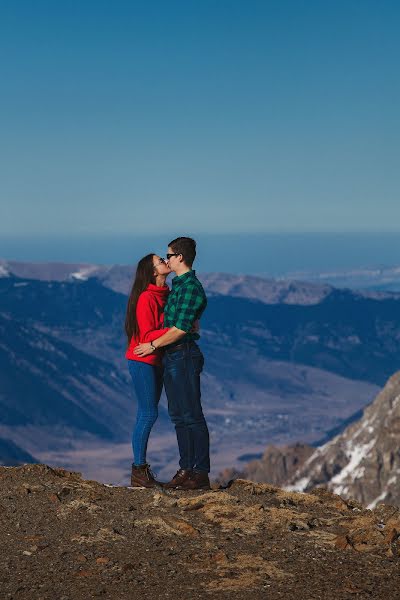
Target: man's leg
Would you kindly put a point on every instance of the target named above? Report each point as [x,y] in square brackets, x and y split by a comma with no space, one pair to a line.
[175,383]
[193,415]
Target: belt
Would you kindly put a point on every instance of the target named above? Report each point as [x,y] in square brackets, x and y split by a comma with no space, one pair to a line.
[182,346]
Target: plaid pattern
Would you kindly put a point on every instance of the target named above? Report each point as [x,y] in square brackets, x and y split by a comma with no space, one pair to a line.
[186,303]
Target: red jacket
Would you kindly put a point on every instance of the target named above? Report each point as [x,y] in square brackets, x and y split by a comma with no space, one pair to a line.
[150,320]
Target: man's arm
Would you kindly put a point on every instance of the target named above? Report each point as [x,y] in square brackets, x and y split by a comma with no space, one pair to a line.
[187,310]
[173,335]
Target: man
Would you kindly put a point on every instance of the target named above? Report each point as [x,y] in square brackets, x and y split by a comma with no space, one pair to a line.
[183,363]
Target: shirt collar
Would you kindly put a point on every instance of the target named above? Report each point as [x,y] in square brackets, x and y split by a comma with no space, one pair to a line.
[180,279]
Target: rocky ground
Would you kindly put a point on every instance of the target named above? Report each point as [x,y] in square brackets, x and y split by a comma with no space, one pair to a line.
[64,538]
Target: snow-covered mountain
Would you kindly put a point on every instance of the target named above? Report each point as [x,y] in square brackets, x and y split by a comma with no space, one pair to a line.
[363,462]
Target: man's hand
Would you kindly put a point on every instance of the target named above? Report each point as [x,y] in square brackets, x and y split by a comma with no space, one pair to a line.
[195,327]
[143,349]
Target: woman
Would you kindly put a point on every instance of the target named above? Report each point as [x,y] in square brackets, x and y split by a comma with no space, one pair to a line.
[144,323]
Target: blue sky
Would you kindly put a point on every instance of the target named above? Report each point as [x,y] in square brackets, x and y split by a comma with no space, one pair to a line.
[209,116]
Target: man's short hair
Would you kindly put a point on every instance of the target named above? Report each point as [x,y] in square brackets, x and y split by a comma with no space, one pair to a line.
[185,246]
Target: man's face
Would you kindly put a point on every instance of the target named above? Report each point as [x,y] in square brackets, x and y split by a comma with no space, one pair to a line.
[174,261]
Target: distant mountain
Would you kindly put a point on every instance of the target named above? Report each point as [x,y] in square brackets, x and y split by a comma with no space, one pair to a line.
[373,278]
[349,333]
[346,333]
[119,278]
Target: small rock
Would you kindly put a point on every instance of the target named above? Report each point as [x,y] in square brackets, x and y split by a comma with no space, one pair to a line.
[299,526]
[64,492]
[220,557]
[81,558]
[88,573]
[27,553]
[391,536]
[342,542]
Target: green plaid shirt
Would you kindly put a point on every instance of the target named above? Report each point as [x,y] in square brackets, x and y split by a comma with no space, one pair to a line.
[186,303]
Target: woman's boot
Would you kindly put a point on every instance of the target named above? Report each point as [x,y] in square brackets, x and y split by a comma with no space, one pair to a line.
[143,477]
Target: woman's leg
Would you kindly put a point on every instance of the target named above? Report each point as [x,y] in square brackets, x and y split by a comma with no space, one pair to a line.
[147,387]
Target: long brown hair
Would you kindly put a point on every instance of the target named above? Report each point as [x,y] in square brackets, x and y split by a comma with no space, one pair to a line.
[144,276]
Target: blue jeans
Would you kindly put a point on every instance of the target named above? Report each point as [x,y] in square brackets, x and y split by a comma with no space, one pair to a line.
[147,384]
[182,370]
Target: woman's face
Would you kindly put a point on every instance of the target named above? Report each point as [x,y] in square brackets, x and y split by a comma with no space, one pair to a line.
[160,266]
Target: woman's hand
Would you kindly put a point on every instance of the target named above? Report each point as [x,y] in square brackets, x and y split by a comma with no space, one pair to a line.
[143,349]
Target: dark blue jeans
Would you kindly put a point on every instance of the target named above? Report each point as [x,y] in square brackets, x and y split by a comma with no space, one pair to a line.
[147,384]
[182,370]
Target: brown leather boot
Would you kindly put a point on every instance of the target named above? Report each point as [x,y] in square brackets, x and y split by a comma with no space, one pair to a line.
[178,479]
[143,477]
[197,481]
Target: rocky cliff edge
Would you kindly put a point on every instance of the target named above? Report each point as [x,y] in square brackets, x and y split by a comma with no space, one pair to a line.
[66,538]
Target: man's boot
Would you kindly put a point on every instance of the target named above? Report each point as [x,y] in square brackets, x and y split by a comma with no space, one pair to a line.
[143,477]
[197,481]
[178,479]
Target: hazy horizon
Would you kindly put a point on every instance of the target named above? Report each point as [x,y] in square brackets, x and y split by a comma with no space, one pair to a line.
[271,254]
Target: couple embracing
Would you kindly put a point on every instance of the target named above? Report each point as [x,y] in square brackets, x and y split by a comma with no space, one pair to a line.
[161,326]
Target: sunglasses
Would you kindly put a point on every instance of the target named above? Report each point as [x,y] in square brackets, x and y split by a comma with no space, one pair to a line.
[161,262]
[175,254]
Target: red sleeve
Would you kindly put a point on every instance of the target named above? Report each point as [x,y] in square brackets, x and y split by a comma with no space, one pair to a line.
[146,315]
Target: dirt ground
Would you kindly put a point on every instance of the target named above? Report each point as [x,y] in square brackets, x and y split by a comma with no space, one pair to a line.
[64,538]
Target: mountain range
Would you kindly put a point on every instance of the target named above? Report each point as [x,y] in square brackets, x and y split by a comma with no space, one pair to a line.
[286,362]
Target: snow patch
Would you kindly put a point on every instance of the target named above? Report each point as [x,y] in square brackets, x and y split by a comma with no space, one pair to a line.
[299,486]
[84,274]
[372,505]
[356,455]
[3,271]
[395,402]
[358,473]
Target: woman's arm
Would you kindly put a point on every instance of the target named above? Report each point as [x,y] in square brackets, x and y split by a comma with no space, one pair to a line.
[173,335]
